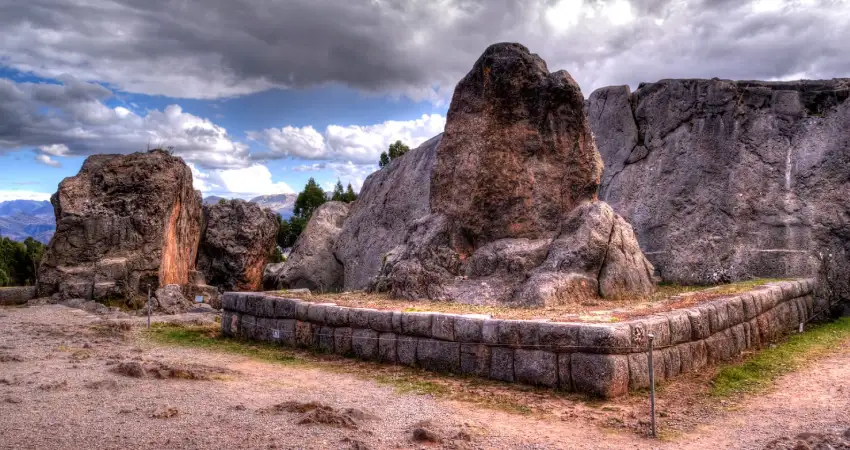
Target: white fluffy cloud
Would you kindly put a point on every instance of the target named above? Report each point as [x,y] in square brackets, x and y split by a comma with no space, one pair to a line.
[349,144]
[347,172]
[247,182]
[47,160]
[7,194]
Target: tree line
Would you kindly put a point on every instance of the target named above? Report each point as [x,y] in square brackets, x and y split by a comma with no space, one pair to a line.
[19,261]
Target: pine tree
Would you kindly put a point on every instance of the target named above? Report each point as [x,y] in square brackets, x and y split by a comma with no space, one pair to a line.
[349,195]
[309,199]
[385,159]
[338,194]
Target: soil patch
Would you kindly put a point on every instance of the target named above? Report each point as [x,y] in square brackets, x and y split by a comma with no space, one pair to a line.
[811,441]
[163,371]
[318,413]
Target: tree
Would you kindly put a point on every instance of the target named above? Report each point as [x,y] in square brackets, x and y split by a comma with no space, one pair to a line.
[397,150]
[277,256]
[338,194]
[385,159]
[349,195]
[19,261]
[309,199]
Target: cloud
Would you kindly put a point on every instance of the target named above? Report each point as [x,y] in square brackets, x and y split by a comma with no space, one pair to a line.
[247,182]
[71,119]
[417,48]
[47,160]
[6,195]
[351,144]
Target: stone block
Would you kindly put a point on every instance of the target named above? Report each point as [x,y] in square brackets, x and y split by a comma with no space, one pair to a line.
[381,321]
[750,305]
[228,301]
[226,318]
[77,289]
[468,329]
[700,326]
[490,332]
[680,327]
[301,310]
[254,305]
[794,316]
[803,307]
[600,375]
[387,347]
[699,355]
[559,337]
[659,326]
[765,327]
[406,350]
[286,308]
[639,369]
[241,299]
[755,334]
[236,324]
[248,326]
[598,338]
[790,290]
[336,316]
[686,359]
[720,319]
[268,306]
[672,362]
[264,329]
[720,346]
[536,367]
[303,334]
[316,313]
[518,333]
[735,310]
[286,328]
[438,356]
[397,322]
[342,341]
[359,317]
[323,338]
[475,359]
[807,286]
[565,381]
[416,324]
[443,327]
[502,364]
[364,343]
[739,337]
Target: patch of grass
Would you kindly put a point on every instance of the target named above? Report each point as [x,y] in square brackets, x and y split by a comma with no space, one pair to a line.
[760,370]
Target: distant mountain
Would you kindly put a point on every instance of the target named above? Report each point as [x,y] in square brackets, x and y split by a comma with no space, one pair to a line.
[213,199]
[282,204]
[20,219]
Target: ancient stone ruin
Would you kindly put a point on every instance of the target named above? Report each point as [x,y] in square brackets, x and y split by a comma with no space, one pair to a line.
[122,223]
[512,216]
[762,165]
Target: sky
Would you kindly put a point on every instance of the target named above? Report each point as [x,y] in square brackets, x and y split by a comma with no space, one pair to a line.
[257,96]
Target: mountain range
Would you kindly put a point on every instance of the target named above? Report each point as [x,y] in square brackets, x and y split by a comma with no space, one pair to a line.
[20,219]
[282,204]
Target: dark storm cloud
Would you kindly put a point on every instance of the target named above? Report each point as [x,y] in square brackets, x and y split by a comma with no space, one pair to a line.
[215,48]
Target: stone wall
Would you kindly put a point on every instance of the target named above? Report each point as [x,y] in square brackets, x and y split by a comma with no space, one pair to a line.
[16,295]
[598,359]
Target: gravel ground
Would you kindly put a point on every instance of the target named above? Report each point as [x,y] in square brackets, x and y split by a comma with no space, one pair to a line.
[59,389]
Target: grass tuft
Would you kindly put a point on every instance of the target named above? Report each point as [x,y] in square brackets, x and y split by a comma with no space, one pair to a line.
[759,371]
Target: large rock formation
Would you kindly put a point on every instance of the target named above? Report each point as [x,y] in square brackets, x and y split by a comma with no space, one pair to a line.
[312,264]
[514,216]
[122,223]
[389,202]
[724,180]
[238,239]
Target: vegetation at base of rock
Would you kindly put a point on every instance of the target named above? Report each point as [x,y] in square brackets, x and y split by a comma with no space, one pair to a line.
[19,261]
[396,150]
[308,200]
[277,255]
[759,371]
[346,195]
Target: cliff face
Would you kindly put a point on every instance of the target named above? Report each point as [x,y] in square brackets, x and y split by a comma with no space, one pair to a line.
[123,222]
[723,180]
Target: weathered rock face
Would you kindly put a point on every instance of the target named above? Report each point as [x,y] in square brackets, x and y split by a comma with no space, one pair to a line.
[390,200]
[312,264]
[724,180]
[514,216]
[517,153]
[123,222]
[238,238]
[169,299]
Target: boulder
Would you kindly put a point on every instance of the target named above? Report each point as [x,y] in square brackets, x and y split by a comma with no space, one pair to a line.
[312,263]
[513,211]
[123,223]
[763,165]
[169,299]
[389,202]
[238,239]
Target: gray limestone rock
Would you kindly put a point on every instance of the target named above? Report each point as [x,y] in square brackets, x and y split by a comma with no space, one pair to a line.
[536,367]
[602,375]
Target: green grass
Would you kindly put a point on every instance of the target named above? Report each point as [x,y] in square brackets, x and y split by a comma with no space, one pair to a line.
[759,371]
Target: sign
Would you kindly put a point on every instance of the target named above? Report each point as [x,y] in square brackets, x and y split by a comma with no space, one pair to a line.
[199,299]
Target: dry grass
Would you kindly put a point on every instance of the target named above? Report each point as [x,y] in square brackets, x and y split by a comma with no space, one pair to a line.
[667,297]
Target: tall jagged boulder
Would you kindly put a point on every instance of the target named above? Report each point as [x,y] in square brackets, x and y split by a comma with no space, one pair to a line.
[312,263]
[514,216]
[122,223]
[237,242]
[389,202]
[726,180]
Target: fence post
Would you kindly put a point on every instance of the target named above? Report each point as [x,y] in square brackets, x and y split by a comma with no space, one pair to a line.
[651,387]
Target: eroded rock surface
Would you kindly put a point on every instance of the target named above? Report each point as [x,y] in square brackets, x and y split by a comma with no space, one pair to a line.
[513,212]
[238,238]
[724,180]
[122,223]
[312,263]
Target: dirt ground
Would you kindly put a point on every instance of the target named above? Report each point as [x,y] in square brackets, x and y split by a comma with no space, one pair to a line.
[70,379]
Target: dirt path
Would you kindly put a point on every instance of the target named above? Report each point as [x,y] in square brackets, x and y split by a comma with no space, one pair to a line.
[59,389]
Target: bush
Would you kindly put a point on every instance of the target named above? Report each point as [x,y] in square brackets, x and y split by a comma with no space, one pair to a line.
[19,261]
[396,150]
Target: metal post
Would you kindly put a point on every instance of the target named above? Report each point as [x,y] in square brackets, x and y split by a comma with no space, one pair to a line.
[149,305]
[651,387]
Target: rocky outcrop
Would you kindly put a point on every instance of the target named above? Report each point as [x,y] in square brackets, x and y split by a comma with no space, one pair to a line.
[312,263]
[390,200]
[238,238]
[122,223]
[724,180]
[169,299]
[513,211]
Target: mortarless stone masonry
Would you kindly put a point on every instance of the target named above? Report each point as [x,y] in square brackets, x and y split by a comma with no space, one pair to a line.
[605,360]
